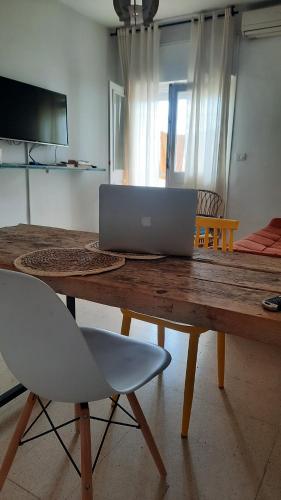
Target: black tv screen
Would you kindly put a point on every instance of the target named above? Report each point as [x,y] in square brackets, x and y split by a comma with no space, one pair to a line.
[32,114]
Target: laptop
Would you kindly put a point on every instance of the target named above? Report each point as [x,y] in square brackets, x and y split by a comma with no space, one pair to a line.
[147,219]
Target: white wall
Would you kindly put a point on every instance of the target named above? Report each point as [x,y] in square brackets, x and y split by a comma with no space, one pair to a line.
[254,190]
[50,45]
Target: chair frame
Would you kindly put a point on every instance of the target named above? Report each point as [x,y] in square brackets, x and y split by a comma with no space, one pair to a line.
[218,233]
[83,418]
[209,203]
[221,238]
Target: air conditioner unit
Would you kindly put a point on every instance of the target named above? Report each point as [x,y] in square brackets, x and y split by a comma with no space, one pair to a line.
[262,22]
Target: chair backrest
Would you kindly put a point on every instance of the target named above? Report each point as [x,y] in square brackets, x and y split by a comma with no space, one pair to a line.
[215,232]
[42,344]
[209,203]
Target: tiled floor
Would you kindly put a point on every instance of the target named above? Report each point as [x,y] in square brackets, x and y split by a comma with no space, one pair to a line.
[234,445]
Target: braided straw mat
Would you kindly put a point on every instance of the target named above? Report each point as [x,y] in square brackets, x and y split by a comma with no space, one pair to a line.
[94,247]
[66,262]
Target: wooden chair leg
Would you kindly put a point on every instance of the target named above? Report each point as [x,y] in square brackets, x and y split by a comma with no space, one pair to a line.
[189,382]
[146,433]
[221,358]
[86,454]
[161,335]
[76,415]
[18,433]
[126,324]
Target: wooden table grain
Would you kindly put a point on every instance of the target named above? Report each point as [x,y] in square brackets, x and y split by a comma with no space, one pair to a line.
[218,291]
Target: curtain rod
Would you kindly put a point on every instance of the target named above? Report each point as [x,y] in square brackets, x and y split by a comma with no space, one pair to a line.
[186,21]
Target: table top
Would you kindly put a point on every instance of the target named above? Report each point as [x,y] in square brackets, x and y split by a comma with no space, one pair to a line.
[219,291]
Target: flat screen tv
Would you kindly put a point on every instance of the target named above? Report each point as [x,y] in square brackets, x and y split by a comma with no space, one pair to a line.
[32,114]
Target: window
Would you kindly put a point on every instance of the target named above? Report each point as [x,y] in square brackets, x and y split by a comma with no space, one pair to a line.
[162,120]
[173,117]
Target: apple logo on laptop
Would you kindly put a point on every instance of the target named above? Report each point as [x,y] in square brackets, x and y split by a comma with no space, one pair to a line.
[146,222]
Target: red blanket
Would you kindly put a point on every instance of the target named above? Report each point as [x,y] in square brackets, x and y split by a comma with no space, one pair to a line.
[267,241]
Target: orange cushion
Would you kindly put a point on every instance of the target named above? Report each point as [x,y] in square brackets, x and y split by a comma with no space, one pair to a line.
[266,241]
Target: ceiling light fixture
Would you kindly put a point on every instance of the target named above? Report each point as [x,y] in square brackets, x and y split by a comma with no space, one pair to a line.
[136,12]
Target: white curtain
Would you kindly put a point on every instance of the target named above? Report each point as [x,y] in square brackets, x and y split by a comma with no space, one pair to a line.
[206,137]
[139,55]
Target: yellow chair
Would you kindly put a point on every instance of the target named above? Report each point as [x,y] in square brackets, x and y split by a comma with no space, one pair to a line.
[212,233]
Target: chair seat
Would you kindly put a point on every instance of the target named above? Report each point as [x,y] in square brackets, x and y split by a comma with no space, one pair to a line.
[126,364]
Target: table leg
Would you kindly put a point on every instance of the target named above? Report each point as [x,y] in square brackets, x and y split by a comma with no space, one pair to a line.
[11,394]
[70,303]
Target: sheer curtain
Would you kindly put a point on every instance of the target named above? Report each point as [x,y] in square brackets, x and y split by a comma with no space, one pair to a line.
[206,137]
[139,55]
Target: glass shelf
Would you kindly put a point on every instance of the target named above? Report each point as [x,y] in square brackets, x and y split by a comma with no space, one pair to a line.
[51,167]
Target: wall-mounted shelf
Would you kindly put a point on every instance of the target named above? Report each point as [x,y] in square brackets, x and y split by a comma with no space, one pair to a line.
[27,168]
[51,167]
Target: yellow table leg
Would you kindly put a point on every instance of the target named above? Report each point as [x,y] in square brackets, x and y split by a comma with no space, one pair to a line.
[161,335]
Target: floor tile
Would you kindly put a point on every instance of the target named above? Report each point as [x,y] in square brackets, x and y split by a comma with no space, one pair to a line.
[42,467]
[14,492]
[271,485]
[220,460]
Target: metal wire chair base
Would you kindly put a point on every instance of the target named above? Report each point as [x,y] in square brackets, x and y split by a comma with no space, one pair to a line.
[55,429]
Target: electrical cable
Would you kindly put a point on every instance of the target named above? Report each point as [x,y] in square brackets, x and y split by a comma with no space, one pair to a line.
[37,162]
[30,156]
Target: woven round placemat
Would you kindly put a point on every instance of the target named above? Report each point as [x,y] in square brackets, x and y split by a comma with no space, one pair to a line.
[93,246]
[66,262]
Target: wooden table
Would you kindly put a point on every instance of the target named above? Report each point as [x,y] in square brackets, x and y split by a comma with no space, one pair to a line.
[212,290]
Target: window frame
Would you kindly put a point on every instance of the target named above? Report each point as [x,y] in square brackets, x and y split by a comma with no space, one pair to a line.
[174,89]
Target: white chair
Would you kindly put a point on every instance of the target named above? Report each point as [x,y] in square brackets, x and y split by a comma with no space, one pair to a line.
[55,359]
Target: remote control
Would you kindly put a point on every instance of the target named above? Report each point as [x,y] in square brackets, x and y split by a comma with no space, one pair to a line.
[272,304]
